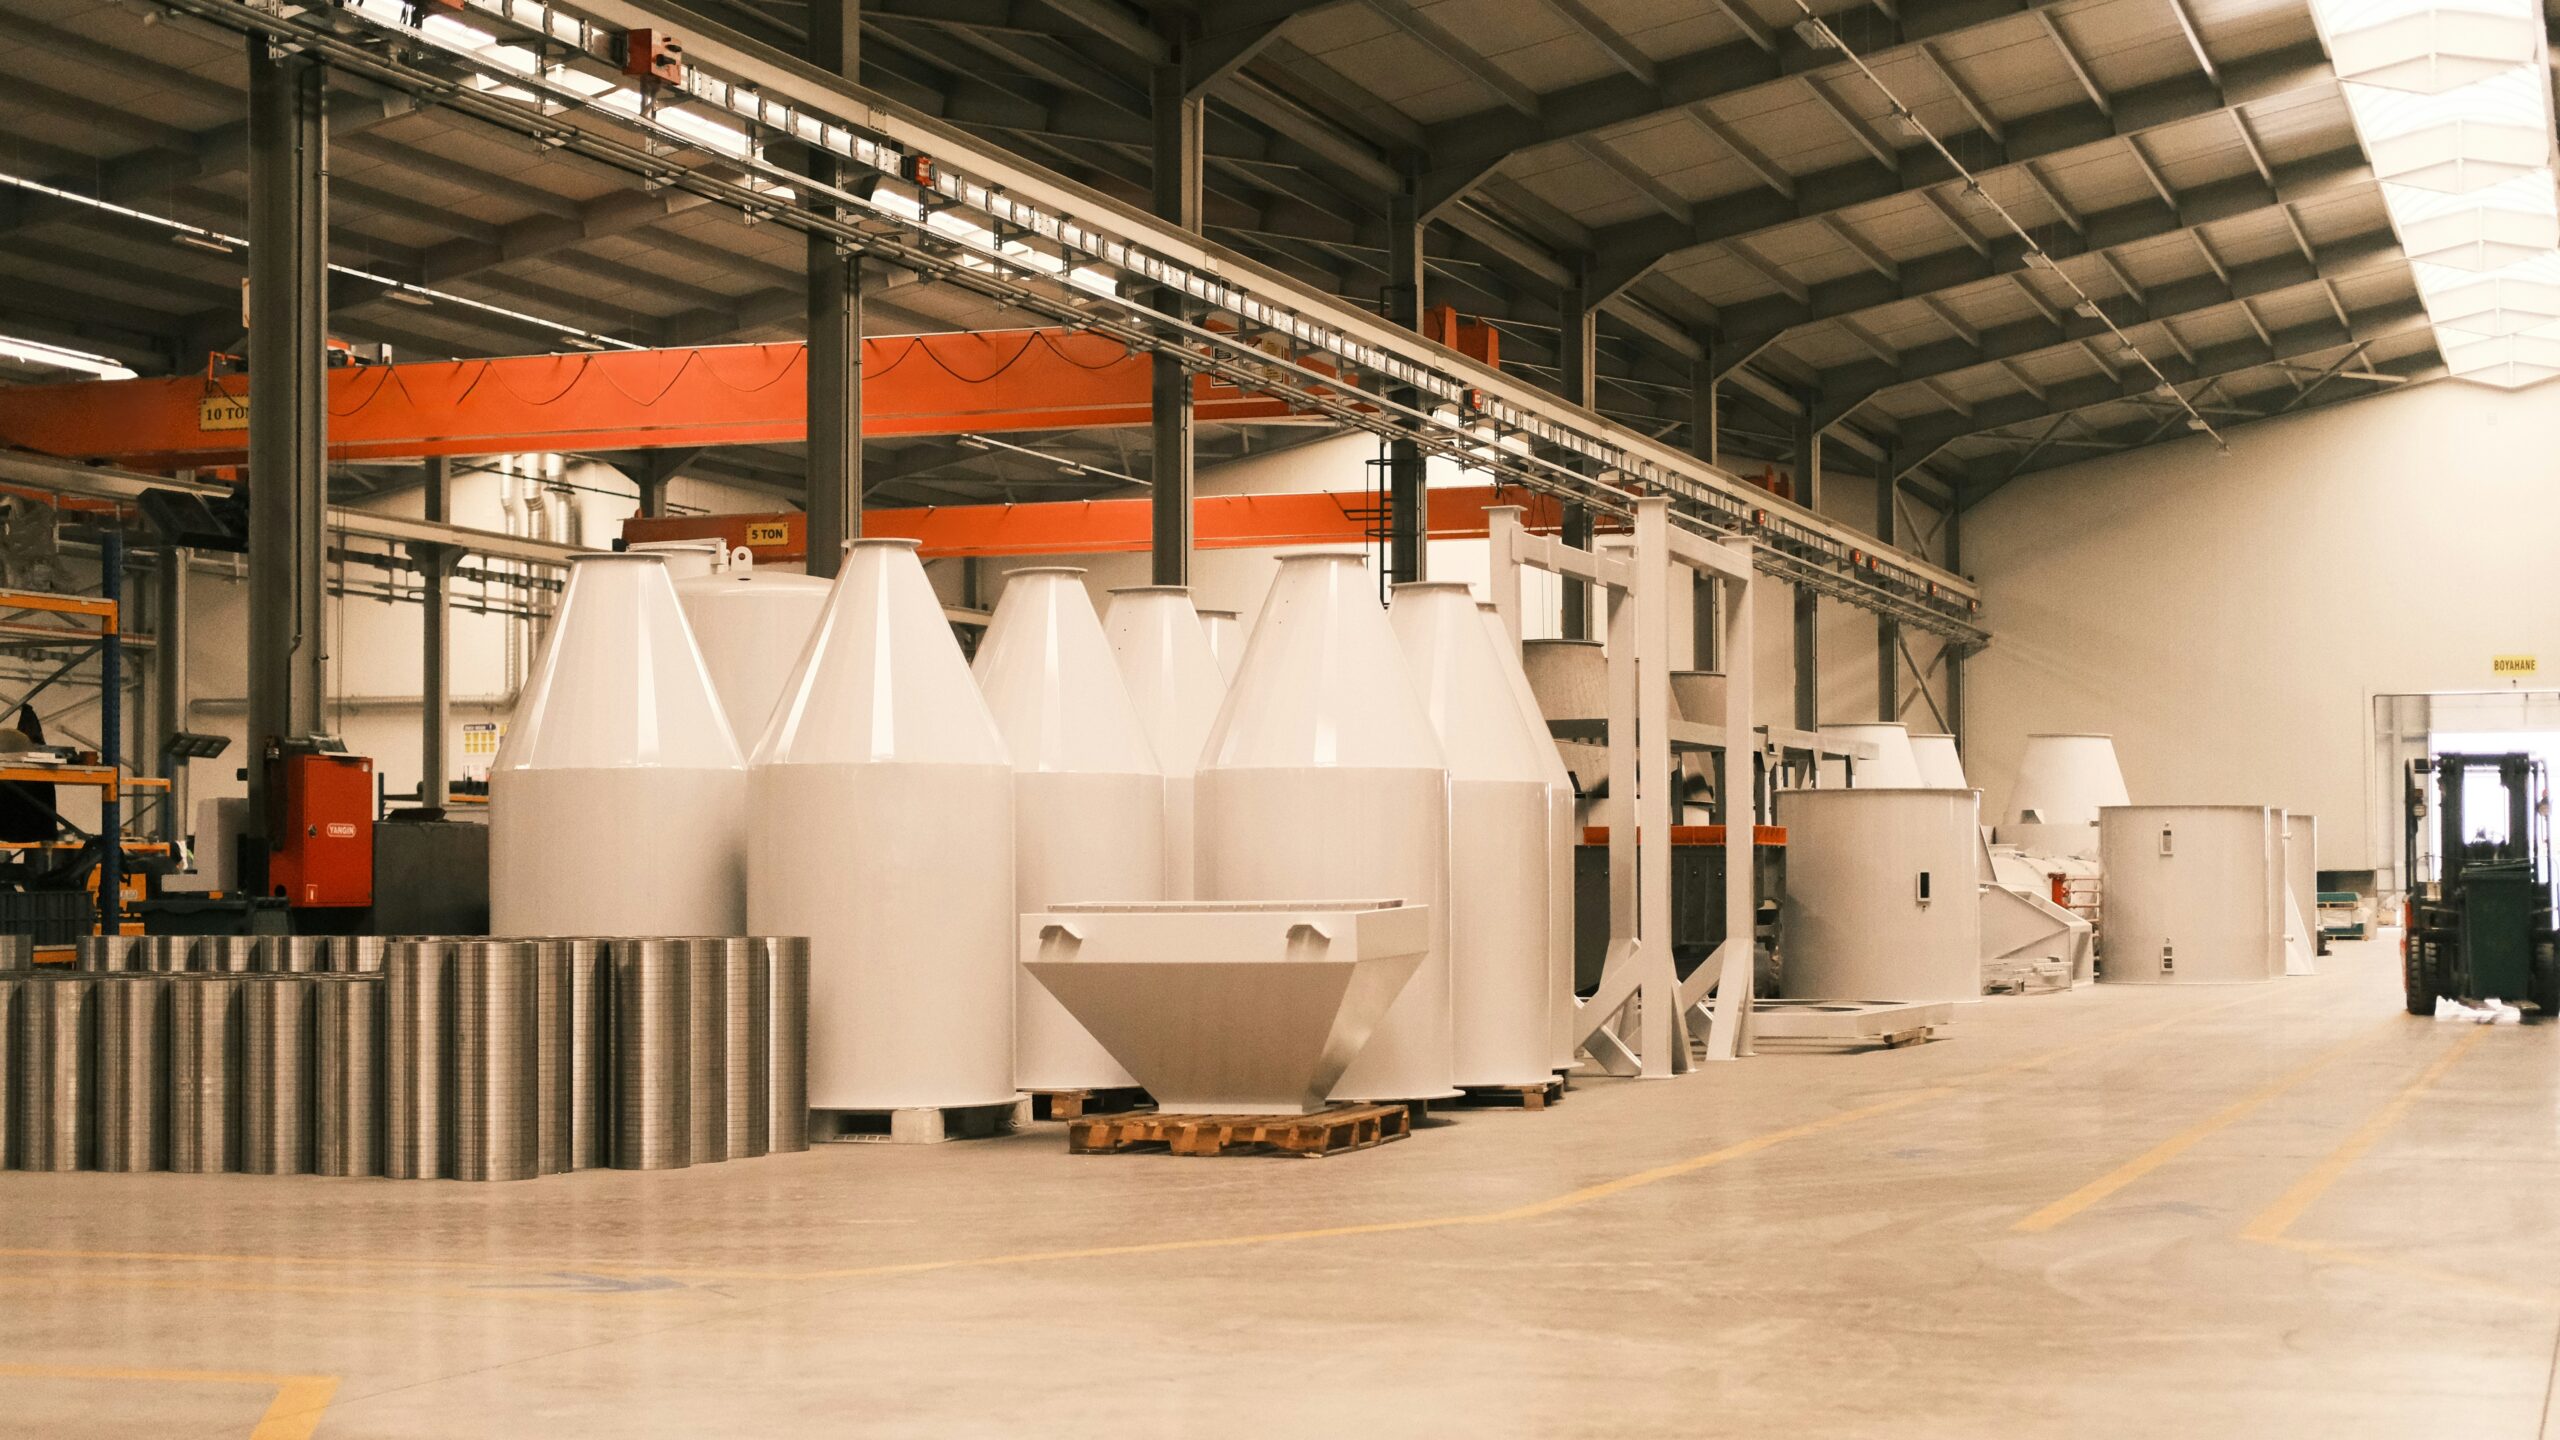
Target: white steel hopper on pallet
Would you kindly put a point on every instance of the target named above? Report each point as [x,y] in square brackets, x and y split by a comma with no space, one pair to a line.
[752,624]
[2302,893]
[1226,632]
[1882,901]
[2022,930]
[1088,796]
[1323,777]
[1501,1012]
[2063,782]
[617,803]
[883,831]
[1563,834]
[2192,892]
[1893,767]
[1176,684]
[1230,1008]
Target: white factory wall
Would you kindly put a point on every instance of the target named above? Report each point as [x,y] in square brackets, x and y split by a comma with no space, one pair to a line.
[2230,619]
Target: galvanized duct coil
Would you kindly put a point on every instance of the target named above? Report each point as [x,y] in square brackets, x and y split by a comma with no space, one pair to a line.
[555,1046]
[133,1072]
[56,1125]
[787,1024]
[747,1008]
[204,1073]
[415,1046]
[591,1075]
[13,990]
[346,1075]
[170,954]
[293,954]
[496,1061]
[651,1044]
[707,1047]
[106,954]
[227,954]
[17,952]
[357,954]
[275,1075]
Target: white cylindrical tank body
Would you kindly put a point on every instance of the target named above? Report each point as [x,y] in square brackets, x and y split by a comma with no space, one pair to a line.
[1323,780]
[883,831]
[752,625]
[2189,894]
[1893,768]
[1563,833]
[1088,798]
[1225,629]
[1881,902]
[2063,782]
[1941,767]
[617,803]
[1501,1020]
[1176,684]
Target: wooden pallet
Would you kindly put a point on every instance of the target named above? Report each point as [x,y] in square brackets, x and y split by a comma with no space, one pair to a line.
[927,1125]
[1076,1104]
[1326,1132]
[1506,1097]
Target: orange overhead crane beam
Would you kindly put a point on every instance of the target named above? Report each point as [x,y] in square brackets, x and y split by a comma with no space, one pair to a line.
[985,381]
[1106,527]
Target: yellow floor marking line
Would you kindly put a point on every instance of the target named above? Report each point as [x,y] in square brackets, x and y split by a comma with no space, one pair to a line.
[294,1414]
[2272,1222]
[2433,1275]
[95,1281]
[2177,1145]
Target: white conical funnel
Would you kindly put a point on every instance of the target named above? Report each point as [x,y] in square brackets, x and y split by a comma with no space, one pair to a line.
[1562,836]
[686,559]
[1226,632]
[883,831]
[1941,767]
[617,804]
[2063,782]
[752,625]
[1893,768]
[1088,798]
[1321,778]
[1177,686]
[1500,1018]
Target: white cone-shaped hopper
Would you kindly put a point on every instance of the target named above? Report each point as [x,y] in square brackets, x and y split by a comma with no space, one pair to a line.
[1323,778]
[1941,767]
[686,560]
[1882,901]
[1893,768]
[617,804]
[1501,1021]
[2063,782]
[752,625]
[1088,799]
[1225,629]
[1562,835]
[1177,686]
[2194,894]
[883,804]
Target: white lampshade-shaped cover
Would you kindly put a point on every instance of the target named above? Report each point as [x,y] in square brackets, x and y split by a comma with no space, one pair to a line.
[883,831]
[1322,780]
[617,804]
[1941,766]
[1088,797]
[1563,834]
[1893,768]
[752,625]
[1177,686]
[1501,1020]
[1226,632]
[2063,782]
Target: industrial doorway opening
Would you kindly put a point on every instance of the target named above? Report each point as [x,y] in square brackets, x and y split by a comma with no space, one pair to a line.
[2408,728]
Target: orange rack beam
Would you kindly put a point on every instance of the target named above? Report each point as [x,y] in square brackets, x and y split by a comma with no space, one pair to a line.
[1773,835]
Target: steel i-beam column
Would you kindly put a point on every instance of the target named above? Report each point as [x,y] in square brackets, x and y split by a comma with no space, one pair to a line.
[1888,629]
[835,327]
[169,680]
[1177,116]
[1408,519]
[1808,616]
[1706,417]
[1578,356]
[1955,656]
[288,436]
[435,687]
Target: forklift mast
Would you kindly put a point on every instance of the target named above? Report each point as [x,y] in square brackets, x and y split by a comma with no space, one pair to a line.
[2480,917]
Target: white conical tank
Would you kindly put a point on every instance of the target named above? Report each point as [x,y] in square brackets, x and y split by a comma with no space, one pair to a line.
[1323,780]
[1501,1021]
[1882,901]
[1176,684]
[1893,768]
[2063,782]
[1088,796]
[2194,894]
[1225,629]
[883,831]
[687,560]
[1562,835]
[1941,767]
[751,624]
[617,803]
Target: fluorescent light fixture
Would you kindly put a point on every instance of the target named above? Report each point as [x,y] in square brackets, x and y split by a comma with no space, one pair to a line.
[55,357]
[205,243]
[1816,35]
[2087,310]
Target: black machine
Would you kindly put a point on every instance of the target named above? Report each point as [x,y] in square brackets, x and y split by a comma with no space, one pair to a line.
[2480,907]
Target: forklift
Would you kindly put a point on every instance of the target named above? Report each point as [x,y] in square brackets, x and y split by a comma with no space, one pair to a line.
[2480,907]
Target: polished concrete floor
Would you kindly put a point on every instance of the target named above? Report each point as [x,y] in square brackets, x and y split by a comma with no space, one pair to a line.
[2282,1210]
